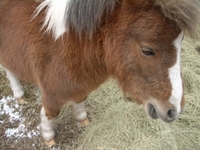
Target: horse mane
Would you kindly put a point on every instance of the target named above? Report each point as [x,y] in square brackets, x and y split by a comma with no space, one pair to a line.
[82,15]
[89,14]
[186,13]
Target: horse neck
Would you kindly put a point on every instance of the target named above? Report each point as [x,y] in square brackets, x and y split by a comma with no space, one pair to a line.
[84,54]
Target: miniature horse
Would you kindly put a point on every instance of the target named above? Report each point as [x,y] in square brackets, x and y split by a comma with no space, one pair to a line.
[68,48]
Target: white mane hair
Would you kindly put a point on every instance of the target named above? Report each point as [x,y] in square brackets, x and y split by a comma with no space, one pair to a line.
[55,19]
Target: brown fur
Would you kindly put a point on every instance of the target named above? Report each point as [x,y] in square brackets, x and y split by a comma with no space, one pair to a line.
[69,69]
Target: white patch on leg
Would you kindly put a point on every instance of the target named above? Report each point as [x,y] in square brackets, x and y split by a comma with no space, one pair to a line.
[15,85]
[47,126]
[175,77]
[78,111]
[55,19]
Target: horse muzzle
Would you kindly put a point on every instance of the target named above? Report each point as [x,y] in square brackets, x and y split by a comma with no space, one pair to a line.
[167,115]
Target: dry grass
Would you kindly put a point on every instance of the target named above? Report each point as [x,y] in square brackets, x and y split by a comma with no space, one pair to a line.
[116,123]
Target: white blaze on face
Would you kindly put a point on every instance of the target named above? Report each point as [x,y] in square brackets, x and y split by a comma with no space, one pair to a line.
[175,77]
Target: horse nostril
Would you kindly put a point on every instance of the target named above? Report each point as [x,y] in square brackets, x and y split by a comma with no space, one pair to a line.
[171,113]
[152,111]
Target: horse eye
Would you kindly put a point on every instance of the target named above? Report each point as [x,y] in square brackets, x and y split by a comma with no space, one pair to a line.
[147,51]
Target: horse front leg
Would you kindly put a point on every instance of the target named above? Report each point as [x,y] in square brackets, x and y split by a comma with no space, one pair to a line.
[50,110]
[47,128]
[79,113]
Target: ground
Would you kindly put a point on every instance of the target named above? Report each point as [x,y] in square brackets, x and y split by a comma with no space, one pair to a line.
[115,122]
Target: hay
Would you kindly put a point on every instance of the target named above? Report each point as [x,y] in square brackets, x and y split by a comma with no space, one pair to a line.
[116,123]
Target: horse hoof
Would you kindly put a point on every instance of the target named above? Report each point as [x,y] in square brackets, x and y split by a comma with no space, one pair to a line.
[85,122]
[21,101]
[50,143]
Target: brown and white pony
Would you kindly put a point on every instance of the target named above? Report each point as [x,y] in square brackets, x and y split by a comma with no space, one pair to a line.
[69,47]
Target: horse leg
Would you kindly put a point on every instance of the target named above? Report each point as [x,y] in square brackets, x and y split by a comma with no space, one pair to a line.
[47,128]
[50,110]
[16,87]
[51,107]
[79,113]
